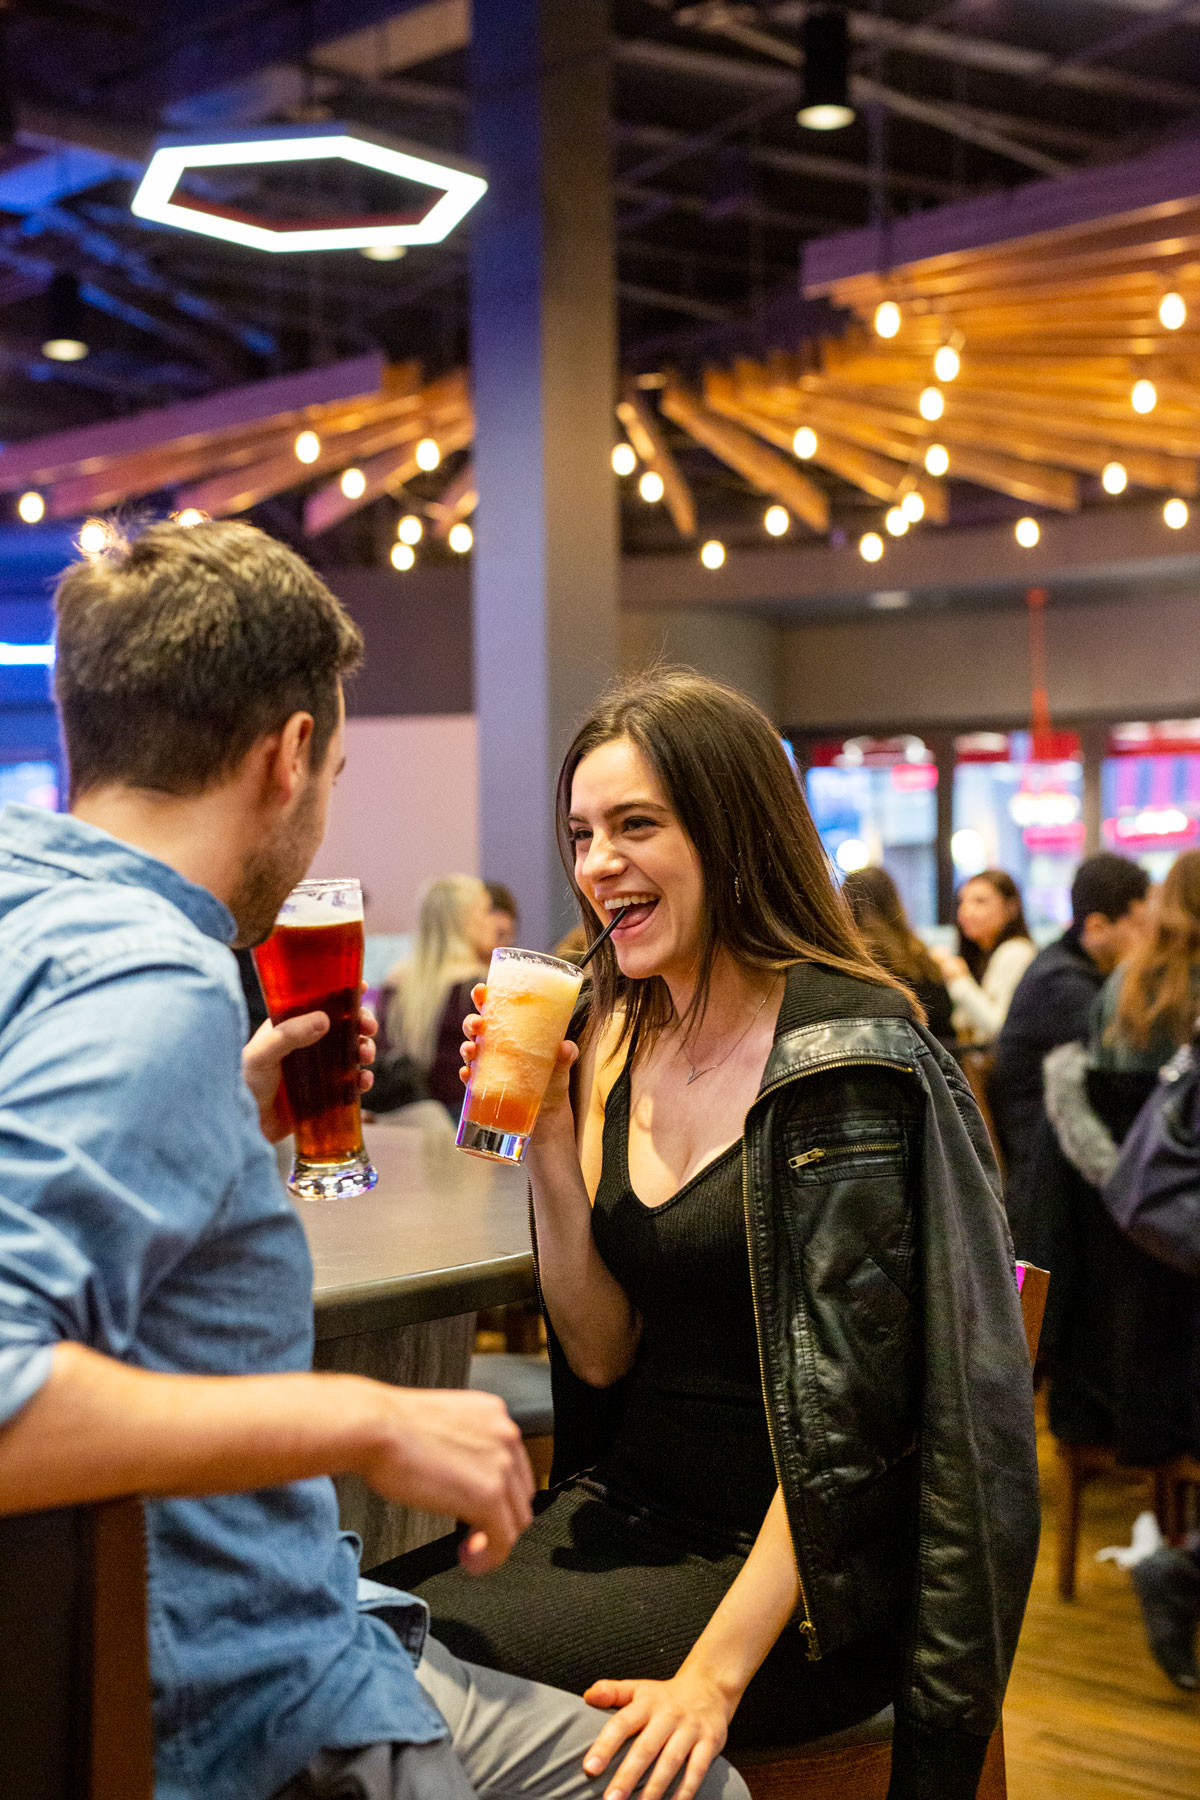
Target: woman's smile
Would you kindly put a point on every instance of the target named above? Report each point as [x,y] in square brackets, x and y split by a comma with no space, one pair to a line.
[631,851]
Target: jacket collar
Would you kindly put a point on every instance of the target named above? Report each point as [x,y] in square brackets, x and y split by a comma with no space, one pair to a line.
[828,1018]
[65,847]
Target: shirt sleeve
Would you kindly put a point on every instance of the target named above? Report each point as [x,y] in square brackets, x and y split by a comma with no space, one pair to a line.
[121,1106]
[987,1005]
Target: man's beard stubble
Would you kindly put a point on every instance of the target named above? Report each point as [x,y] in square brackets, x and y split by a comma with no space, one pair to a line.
[272,870]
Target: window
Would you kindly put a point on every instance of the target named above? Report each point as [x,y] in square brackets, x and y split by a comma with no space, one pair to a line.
[875,801]
[1023,816]
[30,783]
[1150,792]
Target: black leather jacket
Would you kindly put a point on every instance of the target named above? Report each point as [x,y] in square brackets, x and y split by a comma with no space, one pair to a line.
[895,1373]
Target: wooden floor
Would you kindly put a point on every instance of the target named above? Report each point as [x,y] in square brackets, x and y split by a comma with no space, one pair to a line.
[1088,1715]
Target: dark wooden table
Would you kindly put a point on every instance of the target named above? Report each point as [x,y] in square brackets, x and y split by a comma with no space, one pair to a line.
[399,1275]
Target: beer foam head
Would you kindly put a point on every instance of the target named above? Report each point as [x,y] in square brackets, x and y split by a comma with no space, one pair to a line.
[528,971]
[323,903]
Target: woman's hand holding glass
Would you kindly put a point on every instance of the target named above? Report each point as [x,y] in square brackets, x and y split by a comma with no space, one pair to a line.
[555,1111]
[676,1725]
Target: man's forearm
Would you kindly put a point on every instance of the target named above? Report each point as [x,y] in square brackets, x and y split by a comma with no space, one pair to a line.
[97,1428]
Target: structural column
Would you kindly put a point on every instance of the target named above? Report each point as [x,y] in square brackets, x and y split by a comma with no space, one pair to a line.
[543,360]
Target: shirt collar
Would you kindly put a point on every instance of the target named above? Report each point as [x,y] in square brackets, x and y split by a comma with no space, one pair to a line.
[30,834]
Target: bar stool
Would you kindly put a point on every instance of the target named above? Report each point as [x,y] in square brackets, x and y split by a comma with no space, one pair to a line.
[523,1383]
[1078,1465]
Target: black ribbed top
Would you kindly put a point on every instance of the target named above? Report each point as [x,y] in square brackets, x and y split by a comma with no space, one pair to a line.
[692,1445]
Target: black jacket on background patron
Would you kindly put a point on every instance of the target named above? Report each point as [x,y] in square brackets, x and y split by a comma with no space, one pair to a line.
[1052,1006]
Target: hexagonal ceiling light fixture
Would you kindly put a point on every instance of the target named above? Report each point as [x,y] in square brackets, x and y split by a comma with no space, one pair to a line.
[456,186]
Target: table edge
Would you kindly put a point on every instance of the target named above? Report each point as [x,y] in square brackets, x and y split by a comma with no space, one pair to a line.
[426,1294]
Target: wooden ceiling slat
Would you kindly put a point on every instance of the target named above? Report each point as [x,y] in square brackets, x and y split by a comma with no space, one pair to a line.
[442,404]
[86,449]
[647,439]
[385,474]
[758,465]
[882,477]
[457,501]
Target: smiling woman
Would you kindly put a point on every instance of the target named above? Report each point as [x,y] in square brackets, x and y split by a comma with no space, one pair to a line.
[764,1207]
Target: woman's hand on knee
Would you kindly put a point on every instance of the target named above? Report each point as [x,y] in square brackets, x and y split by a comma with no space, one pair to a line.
[677,1725]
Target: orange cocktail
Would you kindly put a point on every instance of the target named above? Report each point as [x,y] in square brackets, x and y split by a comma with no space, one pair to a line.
[528,1007]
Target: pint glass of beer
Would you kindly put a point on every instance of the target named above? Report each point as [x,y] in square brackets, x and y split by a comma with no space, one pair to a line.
[312,962]
[528,1007]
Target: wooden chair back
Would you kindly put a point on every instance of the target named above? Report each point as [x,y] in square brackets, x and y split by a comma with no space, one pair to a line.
[74,1658]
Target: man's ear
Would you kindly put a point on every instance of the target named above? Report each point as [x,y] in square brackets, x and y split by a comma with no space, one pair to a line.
[288,757]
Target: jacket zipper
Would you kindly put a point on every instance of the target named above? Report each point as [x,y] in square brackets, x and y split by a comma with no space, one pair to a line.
[820,1154]
[807,1626]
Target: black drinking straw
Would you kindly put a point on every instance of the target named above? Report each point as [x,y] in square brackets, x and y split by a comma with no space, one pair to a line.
[595,944]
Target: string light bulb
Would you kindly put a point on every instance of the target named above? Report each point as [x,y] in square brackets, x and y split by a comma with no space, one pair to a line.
[776,520]
[94,537]
[805,443]
[913,507]
[31,507]
[870,546]
[461,538]
[624,461]
[307,447]
[712,554]
[1027,532]
[896,521]
[191,515]
[937,459]
[410,529]
[1113,478]
[651,487]
[354,484]
[428,456]
[947,363]
[887,319]
[403,557]
[1175,514]
[932,403]
[1144,397]
[1172,311]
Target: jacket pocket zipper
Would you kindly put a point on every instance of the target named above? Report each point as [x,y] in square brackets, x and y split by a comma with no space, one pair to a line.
[820,1154]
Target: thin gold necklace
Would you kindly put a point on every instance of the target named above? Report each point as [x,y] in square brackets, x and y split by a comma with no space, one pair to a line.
[694,1073]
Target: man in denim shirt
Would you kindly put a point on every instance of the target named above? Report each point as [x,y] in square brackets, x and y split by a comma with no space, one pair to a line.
[155,1284]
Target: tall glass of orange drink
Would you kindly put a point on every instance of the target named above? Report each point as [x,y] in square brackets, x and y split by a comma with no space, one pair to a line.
[526,1012]
[312,962]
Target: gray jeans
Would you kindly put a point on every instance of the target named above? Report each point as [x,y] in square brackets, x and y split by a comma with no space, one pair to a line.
[509,1740]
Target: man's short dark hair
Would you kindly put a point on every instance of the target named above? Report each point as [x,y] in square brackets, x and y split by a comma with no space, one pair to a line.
[178,651]
[1107,884]
[502,899]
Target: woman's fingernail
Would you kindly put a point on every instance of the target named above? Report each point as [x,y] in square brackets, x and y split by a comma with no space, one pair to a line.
[592,1765]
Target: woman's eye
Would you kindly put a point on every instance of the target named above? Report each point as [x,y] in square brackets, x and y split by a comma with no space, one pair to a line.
[579,835]
[640,824]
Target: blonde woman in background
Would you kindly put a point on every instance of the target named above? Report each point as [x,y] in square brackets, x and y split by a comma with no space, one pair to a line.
[427,994]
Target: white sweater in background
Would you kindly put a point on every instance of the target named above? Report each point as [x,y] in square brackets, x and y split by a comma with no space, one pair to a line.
[981,1007]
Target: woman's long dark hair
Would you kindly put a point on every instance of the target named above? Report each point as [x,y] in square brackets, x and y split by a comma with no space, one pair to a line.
[973,954]
[1158,993]
[878,911]
[769,897]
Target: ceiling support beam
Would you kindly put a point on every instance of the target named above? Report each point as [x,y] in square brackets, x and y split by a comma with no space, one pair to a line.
[954,120]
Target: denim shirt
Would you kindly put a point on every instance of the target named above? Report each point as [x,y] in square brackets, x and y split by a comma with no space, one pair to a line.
[141,1214]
